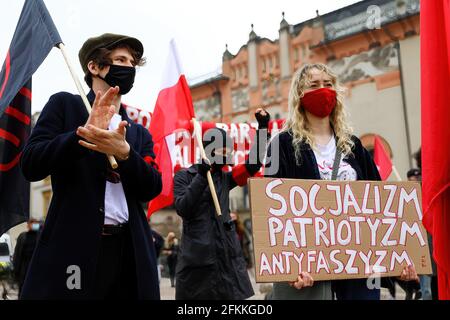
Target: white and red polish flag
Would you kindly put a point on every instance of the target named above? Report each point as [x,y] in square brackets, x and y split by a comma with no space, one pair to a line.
[382,159]
[173,113]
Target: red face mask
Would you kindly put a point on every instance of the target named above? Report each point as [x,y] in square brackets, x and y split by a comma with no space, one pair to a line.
[320,102]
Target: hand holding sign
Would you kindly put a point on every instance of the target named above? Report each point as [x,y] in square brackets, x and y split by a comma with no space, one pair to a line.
[409,274]
[204,167]
[304,280]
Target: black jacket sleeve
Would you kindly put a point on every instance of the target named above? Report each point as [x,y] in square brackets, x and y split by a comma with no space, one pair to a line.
[139,172]
[255,159]
[275,159]
[253,163]
[49,147]
[371,169]
[368,167]
[187,193]
[158,242]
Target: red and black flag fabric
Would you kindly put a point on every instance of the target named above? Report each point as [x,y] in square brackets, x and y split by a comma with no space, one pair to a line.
[33,39]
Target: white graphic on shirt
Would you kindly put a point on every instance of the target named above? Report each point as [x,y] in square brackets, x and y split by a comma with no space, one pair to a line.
[345,173]
[325,160]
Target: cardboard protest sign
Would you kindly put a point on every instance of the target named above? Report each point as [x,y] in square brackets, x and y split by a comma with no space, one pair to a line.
[336,230]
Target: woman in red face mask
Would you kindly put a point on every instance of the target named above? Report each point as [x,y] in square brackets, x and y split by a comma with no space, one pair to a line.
[317,143]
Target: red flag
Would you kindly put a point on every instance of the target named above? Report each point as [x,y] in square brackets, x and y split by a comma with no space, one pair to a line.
[435,73]
[382,159]
[173,112]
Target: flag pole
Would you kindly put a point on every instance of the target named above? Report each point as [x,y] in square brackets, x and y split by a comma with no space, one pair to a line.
[62,47]
[197,135]
[397,175]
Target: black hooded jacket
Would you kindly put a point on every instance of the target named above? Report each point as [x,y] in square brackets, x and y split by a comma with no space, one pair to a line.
[211,264]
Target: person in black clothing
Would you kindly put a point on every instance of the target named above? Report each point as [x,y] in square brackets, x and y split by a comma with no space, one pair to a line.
[171,250]
[210,260]
[244,239]
[158,241]
[25,245]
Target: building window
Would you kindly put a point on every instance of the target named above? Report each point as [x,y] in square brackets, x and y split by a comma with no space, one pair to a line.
[240,99]
[209,108]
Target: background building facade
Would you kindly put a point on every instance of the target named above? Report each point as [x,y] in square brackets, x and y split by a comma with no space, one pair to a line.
[374,48]
[372,45]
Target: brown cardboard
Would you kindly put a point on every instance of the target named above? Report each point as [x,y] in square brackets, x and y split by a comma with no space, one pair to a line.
[390,239]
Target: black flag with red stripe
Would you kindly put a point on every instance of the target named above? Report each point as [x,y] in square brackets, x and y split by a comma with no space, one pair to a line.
[15,127]
[33,39]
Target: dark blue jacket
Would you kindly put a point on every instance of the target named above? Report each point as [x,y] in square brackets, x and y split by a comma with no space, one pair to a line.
[72,230]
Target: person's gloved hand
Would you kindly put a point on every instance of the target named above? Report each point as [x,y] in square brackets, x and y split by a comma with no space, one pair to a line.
[204,167]
[263,118]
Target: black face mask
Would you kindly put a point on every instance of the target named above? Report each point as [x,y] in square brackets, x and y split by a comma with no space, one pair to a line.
[120,76]
[220,161]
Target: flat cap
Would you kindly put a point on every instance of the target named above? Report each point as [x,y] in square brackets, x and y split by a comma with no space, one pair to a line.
[107,41]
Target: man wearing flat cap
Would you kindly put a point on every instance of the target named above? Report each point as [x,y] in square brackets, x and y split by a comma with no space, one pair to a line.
[96,242]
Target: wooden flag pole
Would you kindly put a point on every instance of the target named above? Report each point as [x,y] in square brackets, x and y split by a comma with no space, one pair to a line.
[61,46]
[397,175]
[198,137]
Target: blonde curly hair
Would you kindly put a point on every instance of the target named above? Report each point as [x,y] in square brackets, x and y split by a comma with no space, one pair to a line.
[297,122]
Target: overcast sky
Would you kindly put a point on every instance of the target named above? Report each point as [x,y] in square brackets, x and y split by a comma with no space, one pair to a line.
[201,28]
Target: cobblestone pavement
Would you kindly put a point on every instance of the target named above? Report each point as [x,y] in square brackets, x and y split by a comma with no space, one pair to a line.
[168,293]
